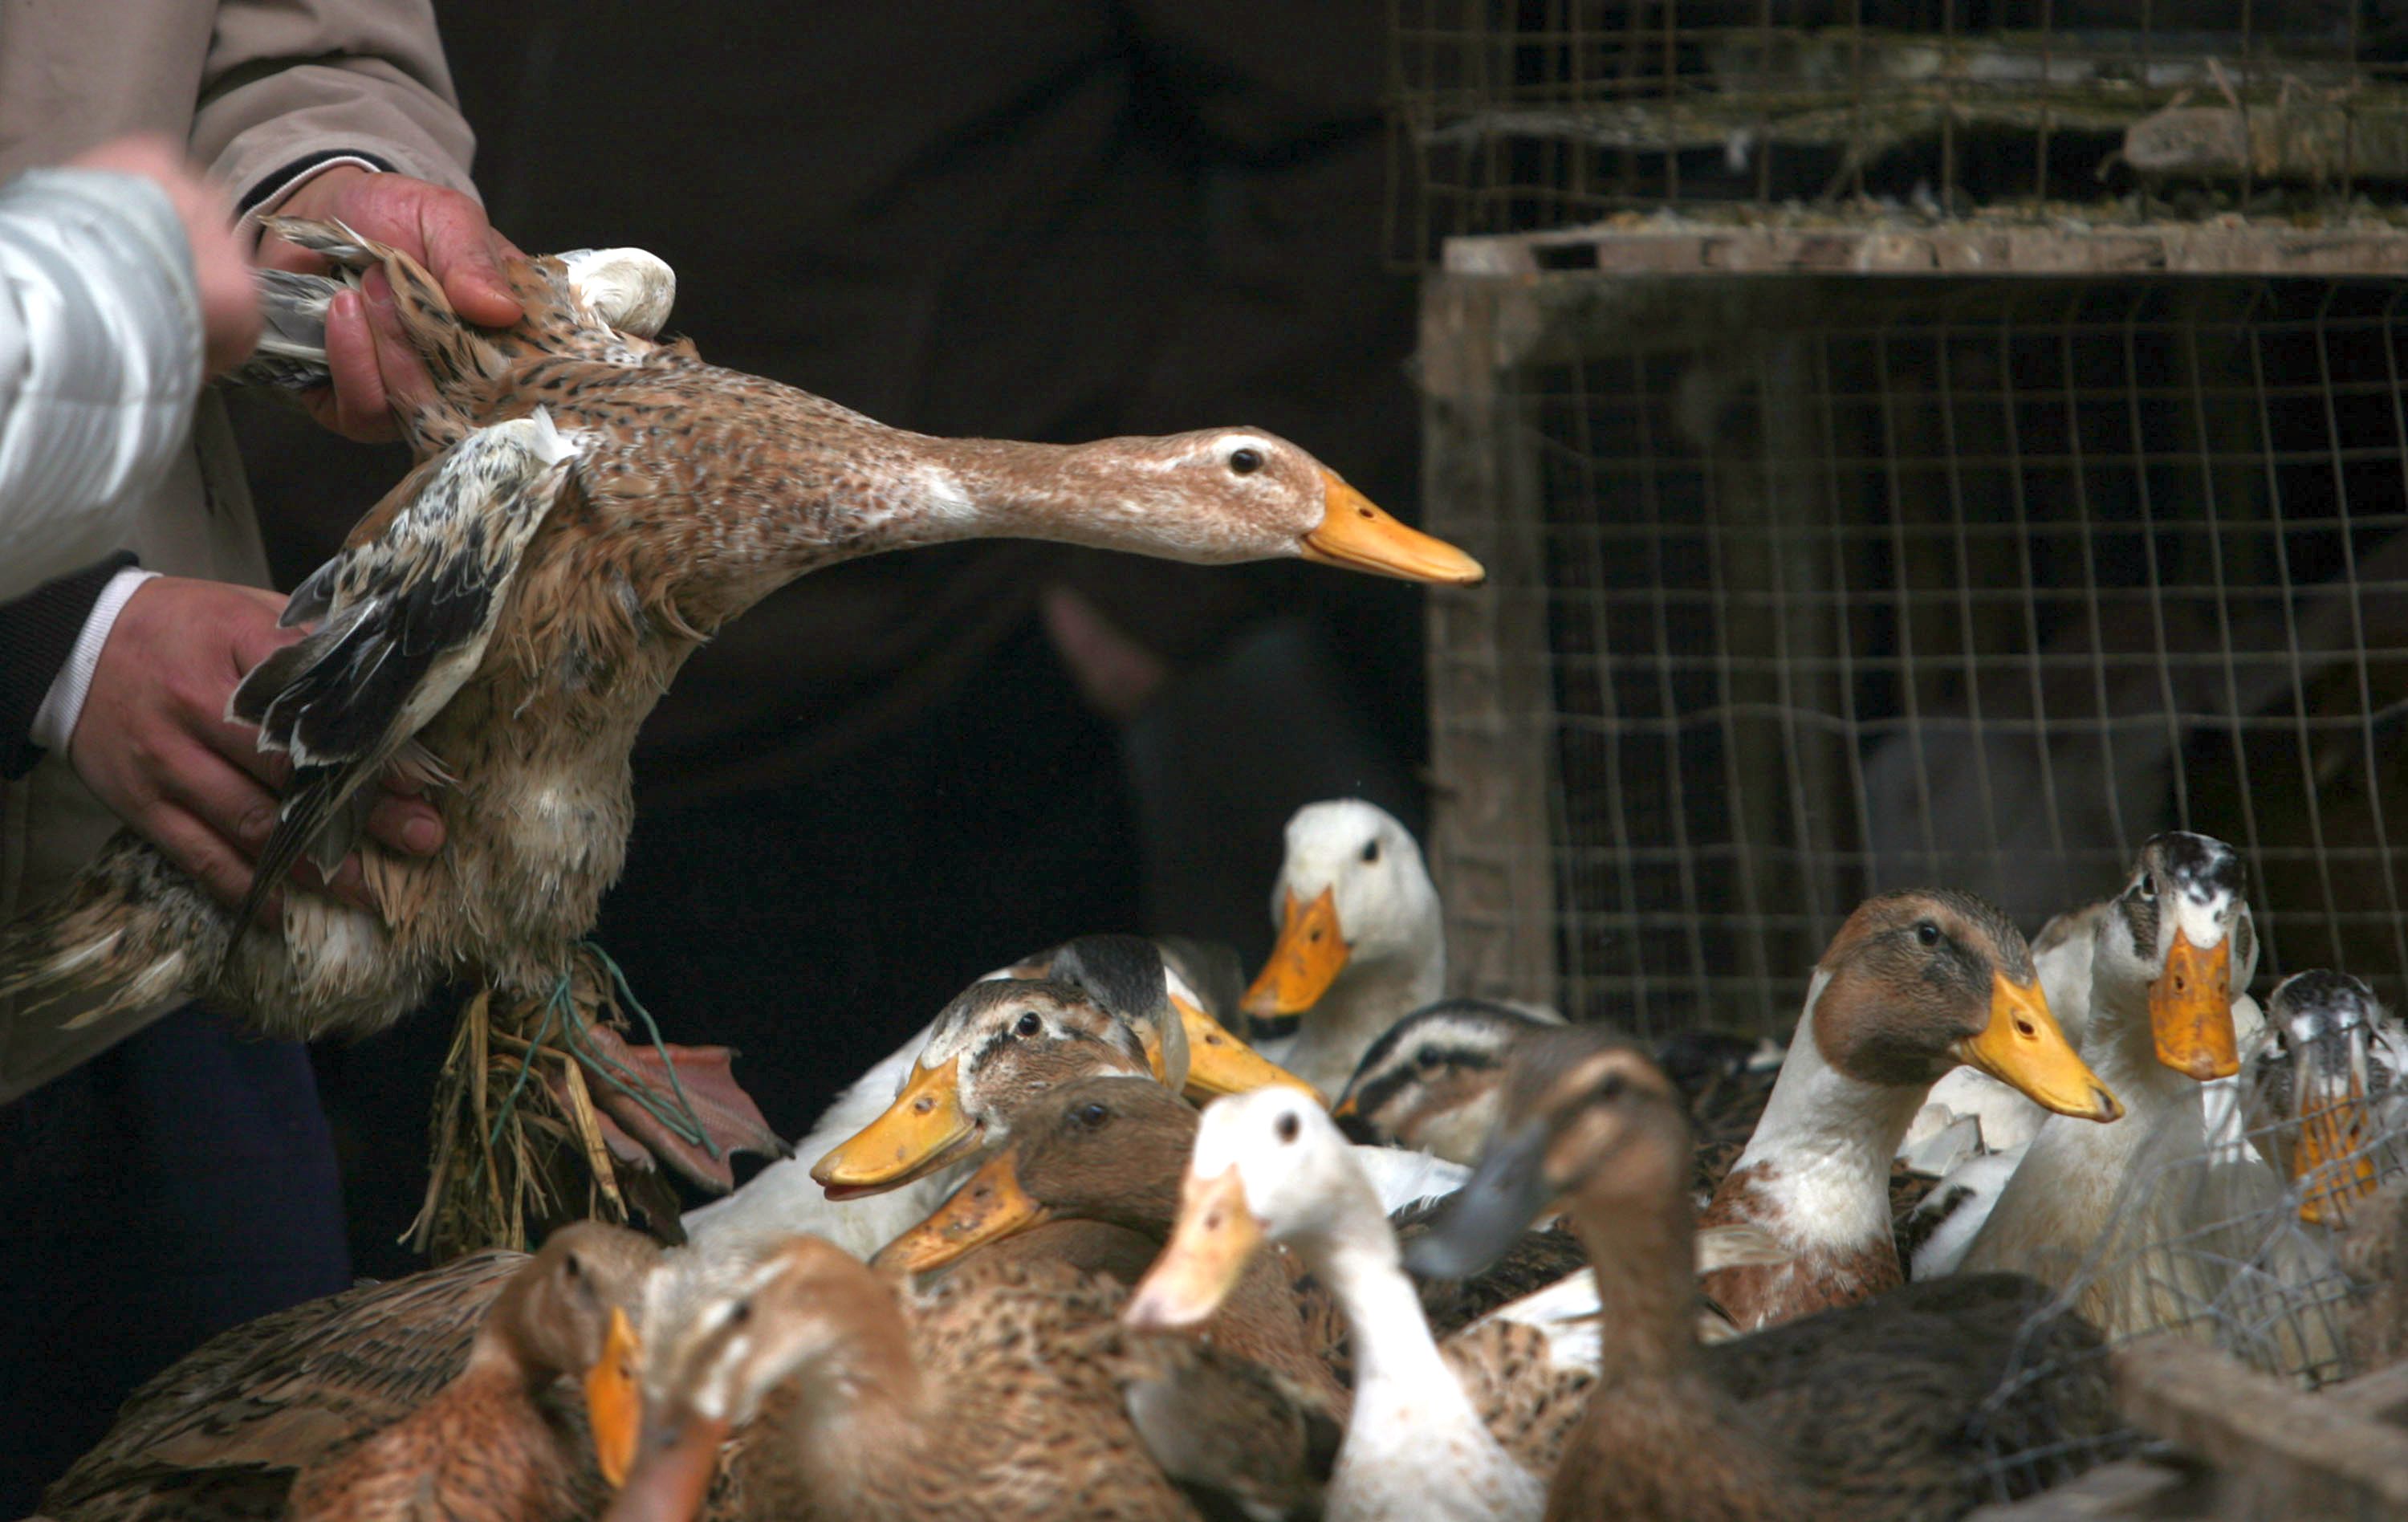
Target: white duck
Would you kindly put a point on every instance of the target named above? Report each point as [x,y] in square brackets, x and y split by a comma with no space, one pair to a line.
[1271,1165]
[1362,939]
[2166,958]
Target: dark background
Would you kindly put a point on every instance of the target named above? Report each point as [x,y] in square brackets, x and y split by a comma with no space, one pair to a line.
[1051,221]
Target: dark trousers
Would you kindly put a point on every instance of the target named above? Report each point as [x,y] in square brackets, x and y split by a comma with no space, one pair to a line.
[179,1184]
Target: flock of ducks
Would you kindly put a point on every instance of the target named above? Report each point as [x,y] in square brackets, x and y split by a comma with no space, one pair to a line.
[1414,1257]
[1018,1272]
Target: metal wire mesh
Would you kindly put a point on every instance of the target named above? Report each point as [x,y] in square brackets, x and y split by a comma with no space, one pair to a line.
[1519,115]
[2212,1244]
[1805,589]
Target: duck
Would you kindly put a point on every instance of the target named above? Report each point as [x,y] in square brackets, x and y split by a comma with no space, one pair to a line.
[2166,958]
[1269,1168]
[447,1376]
[1006,1391]
[1914,983]
[993,1043]
[1362,942]
[2327,1092]
[1429,1082]
[588,506]
[1888,1408]
[1111,1150]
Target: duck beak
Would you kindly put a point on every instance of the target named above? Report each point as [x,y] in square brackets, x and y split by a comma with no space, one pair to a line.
[1311,953]
[673,1474]
[922,1130]
[1345,1109]
[2330,1162]
[1359,537]
[614,1405]
[2190,1011]
[1218,1063]
[2023,1047]
[1506,1192]
[989,1206]
[1215,1237]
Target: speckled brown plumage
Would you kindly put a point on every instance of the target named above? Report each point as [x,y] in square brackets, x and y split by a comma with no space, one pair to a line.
[694,492]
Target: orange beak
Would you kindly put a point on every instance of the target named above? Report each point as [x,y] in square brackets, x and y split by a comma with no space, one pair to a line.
[614,1404]
[1218,1063]
[1311,953]
[1208,1249]
[1359,537]
[922,1130]
[2023,1047]
[2190,1011]
[989,1206]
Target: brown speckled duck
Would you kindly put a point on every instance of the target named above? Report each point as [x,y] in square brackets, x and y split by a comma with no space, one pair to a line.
[588,507]
[1891,1409]
[1914,985]
[1008,1392]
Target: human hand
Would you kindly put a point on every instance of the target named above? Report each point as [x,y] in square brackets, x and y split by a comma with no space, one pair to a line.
[229,301]
[153,744]
[372,364]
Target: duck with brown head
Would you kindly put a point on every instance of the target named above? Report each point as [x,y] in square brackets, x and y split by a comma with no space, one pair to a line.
[488,1447]
[1880,1410]
[1913,986]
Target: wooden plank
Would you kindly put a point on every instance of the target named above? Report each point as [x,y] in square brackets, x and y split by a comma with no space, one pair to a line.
[2129,1490]
[1492,743]
[1833,246]
[2280,1451]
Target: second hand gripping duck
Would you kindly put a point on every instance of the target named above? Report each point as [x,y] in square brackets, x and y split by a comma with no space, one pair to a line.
[588,507]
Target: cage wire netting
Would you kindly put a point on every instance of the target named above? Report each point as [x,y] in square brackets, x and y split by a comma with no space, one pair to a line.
[1518,115]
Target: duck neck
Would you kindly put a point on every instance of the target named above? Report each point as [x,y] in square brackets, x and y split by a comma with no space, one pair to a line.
[1643,1254]
[1824,1142]
[1356,1254]
[859,1407]
[2121,1048]
[1095,494]
[1361,1004]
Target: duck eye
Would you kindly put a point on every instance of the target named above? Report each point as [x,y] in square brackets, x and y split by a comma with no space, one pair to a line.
[1612,1087]
[740,1313]
[1245,462]
[1371,852]
[1926,932]
[1288,1129]
[570,1267]
[1091,1116]
[1027,1025]
[2148,884]
[1425,1058]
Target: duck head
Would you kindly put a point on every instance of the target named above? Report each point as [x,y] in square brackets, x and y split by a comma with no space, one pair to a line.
[1917,983]
[2339,1048]
[1190,1051]
[1352,894]
[1269,1166]
[998,1042]
[571,1311]
[807,1312]
[1431,1082]
[1096,1149]
[1585,1115]
[2180,940]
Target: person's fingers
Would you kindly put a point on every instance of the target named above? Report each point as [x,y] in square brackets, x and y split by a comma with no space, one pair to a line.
[350,883]
[203,854]
[357,407]
[406,824]
[460,251]
[222,795]
[408,389]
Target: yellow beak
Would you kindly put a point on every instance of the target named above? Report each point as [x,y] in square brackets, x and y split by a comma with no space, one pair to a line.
[1359,537]
[1311,953]
[922,1130]
[2329,1161]
[2190,1011]
[989,1206]
[1218,1063]
[2023,1046]
[614,1404]
[674,1475]
[1214,1239]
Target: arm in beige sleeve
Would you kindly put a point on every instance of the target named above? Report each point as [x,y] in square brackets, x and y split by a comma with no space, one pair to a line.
[293,86]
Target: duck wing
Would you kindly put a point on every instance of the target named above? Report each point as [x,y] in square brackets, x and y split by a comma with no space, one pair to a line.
[404,614]
[266,1397]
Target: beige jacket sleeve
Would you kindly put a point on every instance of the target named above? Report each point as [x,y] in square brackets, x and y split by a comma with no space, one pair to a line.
[289,85]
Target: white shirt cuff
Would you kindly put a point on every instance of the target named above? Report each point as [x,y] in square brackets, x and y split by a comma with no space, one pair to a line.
[54,722]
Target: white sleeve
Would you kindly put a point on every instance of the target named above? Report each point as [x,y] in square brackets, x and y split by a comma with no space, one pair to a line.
[100,364]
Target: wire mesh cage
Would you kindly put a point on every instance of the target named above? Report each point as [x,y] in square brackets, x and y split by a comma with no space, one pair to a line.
[1806,588]
[1518,115]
